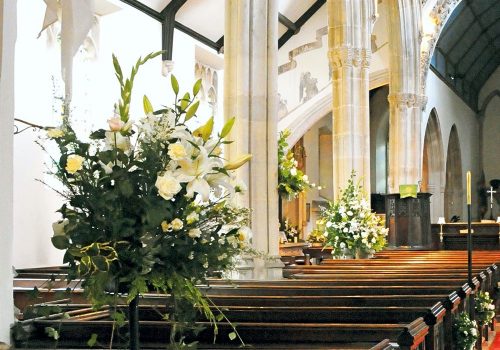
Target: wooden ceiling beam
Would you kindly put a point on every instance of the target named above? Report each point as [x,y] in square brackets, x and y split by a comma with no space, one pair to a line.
[300,22]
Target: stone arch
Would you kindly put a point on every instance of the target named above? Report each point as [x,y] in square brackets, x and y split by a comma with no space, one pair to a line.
[379,139]
[306,115]
[436,12]
[488,137]
[453,191]
[433,175]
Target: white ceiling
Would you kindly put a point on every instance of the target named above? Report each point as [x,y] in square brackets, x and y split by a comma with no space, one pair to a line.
[206,17]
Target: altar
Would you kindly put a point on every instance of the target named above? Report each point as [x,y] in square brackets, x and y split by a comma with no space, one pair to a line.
[485,236]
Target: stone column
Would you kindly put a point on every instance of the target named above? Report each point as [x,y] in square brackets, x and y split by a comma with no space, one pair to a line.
[350,25]
[8,23]
[405,99]
[250,94]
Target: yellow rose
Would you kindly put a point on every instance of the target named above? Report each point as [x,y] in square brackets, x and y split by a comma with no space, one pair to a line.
[54,133]
[74,163]
[165,226]
[176,151]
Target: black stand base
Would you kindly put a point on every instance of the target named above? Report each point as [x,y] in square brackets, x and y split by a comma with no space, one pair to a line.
[133,323]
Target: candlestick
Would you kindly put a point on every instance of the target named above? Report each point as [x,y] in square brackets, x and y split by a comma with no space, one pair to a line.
[469,199]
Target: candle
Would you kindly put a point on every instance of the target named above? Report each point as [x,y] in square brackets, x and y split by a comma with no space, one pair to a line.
[469,201]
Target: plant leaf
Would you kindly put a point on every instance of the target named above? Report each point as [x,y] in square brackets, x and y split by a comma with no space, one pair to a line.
[232,335]
[60,242]
[92,341]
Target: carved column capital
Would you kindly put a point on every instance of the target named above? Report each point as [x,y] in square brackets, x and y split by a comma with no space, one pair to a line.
[402,100]
[349,57]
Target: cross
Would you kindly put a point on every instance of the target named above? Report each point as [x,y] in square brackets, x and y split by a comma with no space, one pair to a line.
[491,192]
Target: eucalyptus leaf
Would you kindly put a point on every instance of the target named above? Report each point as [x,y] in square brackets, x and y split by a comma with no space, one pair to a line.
[60,242]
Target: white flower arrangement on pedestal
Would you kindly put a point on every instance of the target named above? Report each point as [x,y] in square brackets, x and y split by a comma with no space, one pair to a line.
[465,332]
[485,308]
[351,228]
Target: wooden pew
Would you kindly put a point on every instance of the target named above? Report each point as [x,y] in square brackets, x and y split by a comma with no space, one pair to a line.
[270,329]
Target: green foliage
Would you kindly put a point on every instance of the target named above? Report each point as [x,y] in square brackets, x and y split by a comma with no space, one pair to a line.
[291,181]
[92,341]
[485,308]
[52,333]
[351,225]
[465,332]
[148,205]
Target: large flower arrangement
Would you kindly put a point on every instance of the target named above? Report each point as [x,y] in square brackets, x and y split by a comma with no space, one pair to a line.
[351,226]
[148,205]
[291,180]
[465,332]
[485,308]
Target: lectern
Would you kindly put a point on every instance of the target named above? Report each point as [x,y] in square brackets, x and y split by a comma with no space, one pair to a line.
[408,220]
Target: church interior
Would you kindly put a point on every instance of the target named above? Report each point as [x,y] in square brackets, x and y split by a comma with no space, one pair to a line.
[331,179]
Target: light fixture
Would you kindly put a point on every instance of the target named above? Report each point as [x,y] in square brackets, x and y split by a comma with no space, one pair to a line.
[441,222]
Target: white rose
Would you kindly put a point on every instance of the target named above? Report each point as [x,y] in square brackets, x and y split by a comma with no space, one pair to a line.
[167,185]
[350,213]
[177,224]
[192,217]
[176,151]
[244,234]
[305,178]
[58,227]
[342,245]
[473,331]
[194,233]
[115,139]
[293,171]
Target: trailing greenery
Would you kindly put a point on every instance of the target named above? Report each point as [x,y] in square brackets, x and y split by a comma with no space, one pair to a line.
[350,225]
[465,332]
[149,205]
[485,308]
[291,180]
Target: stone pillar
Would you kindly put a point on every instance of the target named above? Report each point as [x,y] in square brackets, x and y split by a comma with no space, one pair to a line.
[350,25]
[250,94]
[8,19]
[405,99]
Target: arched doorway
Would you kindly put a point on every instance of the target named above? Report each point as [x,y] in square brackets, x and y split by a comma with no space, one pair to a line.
[453,192]
[433,166]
